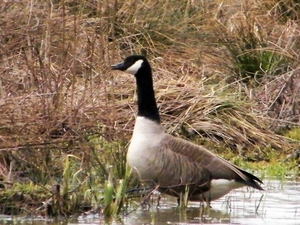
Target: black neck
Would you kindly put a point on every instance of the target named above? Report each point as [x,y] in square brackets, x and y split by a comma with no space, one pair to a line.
[146,98]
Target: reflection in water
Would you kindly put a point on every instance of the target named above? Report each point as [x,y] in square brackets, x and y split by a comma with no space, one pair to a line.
[175,216]
[280,204]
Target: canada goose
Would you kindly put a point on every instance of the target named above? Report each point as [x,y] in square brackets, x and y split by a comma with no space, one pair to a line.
[170,163]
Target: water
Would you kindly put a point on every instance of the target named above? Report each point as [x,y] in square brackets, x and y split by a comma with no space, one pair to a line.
[280,204]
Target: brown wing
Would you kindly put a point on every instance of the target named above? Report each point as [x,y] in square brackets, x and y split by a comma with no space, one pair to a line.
[174,171]
[219,168]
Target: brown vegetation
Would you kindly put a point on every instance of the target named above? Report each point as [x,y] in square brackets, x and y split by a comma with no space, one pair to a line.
[228,71]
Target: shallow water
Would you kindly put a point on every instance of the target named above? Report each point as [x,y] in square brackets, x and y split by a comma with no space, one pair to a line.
[280,204]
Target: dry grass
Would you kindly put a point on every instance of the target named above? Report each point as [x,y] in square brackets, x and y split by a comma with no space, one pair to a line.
[58,96]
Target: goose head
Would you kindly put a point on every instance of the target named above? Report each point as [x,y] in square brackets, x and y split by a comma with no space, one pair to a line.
[132,65]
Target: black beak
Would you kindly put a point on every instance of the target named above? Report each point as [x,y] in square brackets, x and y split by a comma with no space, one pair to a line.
[118,66]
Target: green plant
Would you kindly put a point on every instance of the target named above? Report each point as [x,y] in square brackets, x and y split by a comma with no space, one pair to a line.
[294,133]
[255,64]
[115,194]
[252,58]
[183,199]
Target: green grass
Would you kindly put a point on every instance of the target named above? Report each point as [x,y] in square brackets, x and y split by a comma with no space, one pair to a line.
[275,165]
[293,133]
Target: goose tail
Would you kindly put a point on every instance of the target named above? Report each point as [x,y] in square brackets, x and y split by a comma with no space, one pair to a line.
[251,180]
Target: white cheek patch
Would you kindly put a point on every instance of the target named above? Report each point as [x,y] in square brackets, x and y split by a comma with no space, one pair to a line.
[135,67]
